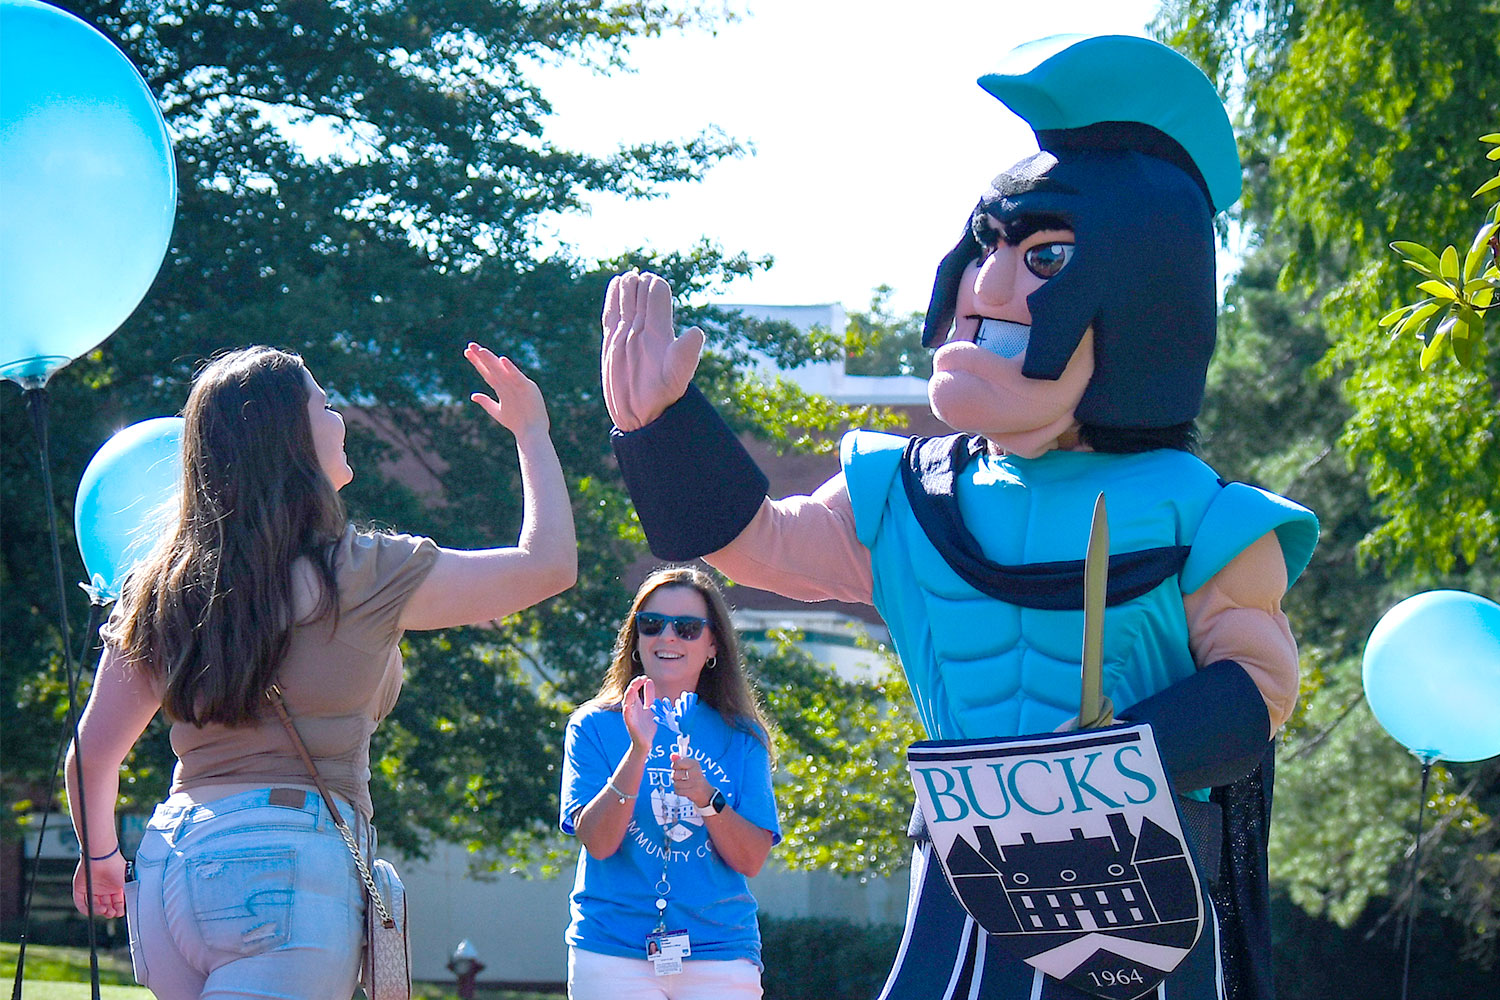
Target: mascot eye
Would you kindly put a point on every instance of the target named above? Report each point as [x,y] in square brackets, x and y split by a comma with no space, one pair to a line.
[1046,259]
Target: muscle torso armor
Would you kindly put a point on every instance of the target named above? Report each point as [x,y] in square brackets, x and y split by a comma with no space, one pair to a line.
[981,667]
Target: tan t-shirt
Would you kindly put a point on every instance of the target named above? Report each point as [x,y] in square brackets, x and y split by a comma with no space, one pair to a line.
[337,682]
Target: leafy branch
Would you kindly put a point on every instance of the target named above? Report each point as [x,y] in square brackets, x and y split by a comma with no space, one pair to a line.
[1457,297]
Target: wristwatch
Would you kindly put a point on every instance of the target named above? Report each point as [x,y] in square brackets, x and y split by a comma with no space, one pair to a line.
[715,804]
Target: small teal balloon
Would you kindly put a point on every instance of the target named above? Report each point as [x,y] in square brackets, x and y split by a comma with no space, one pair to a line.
[1432,675]
[89,187]
[127,500]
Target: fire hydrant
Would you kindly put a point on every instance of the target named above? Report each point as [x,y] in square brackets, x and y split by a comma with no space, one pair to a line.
[465,964]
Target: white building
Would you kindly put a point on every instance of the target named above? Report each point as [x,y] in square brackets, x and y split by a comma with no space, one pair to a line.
[827,378]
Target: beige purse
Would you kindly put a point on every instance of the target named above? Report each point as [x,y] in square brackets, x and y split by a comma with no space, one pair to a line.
[387,968]
[386,972]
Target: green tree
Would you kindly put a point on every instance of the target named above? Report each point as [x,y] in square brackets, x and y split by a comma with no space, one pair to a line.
[1357,127]
[361,182]
[843,789]
[881,342]
[1356,121]
[1459,295]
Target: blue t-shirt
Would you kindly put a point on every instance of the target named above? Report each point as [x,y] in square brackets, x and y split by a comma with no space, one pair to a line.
[614,899]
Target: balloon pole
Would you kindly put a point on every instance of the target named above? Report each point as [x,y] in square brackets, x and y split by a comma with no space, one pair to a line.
[35,393]
[1416,859]
[97,608]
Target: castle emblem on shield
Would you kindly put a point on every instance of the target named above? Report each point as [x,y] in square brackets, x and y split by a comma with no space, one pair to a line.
[1110,883]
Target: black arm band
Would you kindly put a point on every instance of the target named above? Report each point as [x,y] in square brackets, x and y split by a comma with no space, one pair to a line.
[694,485]
[1211,728]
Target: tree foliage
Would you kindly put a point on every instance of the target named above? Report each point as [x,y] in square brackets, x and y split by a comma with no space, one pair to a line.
[1357,126]
[843,790]
[881,342]
[1459,295]
[1356,122]
[361,181]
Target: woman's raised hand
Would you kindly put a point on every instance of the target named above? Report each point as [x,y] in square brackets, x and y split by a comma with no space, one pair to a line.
[640,695]
[517,404]
[471,586]
[644,368]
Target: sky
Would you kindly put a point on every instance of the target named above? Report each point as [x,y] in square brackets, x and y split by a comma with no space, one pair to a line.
[871,139]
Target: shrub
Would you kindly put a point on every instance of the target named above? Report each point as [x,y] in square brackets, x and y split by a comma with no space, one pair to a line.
[822,959]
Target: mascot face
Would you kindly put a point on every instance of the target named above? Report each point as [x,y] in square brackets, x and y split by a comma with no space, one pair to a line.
[1079,304]
[978,385]
[1082,290]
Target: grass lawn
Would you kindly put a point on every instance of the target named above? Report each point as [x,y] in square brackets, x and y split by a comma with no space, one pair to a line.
[31,989]
[47,963]
[60,973]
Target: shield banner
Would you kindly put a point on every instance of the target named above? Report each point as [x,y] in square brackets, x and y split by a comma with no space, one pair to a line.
[1068,850]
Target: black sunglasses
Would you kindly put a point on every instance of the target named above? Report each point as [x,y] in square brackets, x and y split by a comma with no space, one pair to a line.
[687,627]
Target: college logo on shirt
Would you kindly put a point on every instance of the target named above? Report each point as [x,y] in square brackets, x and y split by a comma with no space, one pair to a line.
[675,814]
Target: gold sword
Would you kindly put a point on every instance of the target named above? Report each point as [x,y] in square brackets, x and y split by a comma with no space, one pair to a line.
[1094,707]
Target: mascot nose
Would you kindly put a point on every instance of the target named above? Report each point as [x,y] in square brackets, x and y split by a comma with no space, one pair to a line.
[996,281]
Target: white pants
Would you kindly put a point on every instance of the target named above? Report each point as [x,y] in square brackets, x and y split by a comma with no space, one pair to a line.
[592,976]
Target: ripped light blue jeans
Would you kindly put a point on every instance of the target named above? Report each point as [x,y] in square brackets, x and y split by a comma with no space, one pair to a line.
[250,896]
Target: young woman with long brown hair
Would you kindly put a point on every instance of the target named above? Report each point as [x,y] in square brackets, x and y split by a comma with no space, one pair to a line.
[244,887]
[670,838]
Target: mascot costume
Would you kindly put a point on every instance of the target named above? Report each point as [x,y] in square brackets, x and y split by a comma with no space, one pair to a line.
[1073,325]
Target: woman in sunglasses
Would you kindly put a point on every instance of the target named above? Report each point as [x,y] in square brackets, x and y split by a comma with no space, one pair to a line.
[671,829]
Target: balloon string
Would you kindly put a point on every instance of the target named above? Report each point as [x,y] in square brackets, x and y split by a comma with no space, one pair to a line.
[36,405]
[1416,857]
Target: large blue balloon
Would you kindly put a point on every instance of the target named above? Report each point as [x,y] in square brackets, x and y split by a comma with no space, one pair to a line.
[1432,675]
[89,184]
[127,500]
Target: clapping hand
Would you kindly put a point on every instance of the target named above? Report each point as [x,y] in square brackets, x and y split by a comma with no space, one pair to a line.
[689,781]
[640,695]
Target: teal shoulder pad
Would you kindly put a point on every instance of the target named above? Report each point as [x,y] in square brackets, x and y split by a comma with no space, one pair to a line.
[870,460]
[1240,514]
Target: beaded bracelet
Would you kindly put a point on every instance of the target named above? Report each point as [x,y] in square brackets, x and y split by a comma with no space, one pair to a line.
[610,784]
[106,857]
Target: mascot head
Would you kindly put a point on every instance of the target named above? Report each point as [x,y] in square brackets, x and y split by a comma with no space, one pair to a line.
[1081,296]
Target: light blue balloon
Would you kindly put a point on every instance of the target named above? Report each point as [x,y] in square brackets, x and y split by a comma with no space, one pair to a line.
[1432,675]
[127,500]
[89,187]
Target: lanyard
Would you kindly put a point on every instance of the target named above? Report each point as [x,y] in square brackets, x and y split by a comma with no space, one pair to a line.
[671,717]
[663,887]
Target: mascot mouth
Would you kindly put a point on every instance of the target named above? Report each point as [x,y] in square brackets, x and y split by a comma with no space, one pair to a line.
[1002,337]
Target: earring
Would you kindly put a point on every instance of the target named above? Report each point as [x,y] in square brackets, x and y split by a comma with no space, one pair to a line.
[711,662]
[635,654]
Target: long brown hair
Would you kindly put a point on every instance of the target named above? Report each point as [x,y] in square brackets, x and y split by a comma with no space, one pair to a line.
[725,687]
[210,609]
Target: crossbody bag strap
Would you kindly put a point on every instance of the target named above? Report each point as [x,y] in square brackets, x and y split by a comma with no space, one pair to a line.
[273,695]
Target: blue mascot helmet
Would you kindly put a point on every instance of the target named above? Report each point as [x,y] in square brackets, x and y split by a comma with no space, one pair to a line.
[1138,155]
[1069,82]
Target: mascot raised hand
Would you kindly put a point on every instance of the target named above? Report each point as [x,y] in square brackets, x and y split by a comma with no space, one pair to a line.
[1073,325]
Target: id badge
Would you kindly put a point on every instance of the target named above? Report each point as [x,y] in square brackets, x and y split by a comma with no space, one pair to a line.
[666,951]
